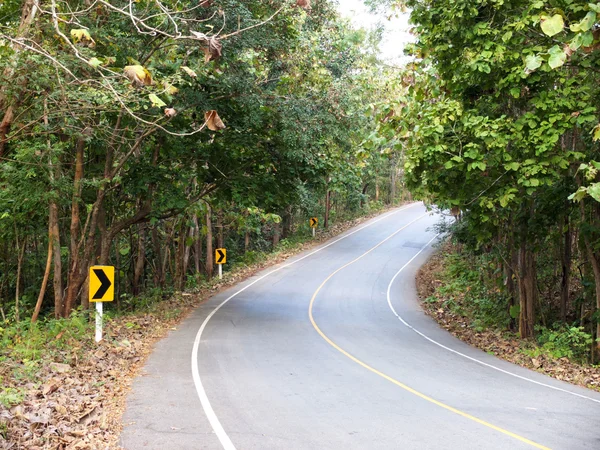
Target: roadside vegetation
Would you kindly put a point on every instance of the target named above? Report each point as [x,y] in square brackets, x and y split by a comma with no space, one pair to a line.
[463,291]
[144,136]
[500,126]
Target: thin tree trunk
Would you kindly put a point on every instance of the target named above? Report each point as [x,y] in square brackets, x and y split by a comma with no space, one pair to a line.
[20,257]
[40,299]
[327,206]
[219,226]
[246,241]
[566,268]
[54,235]
[197,245]
[158,271]
[276,233]
[76,272]
[209,244]
[138,270]
[53,230]
[527,292]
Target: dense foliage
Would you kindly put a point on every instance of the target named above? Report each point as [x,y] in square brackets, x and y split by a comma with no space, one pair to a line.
[145,134]
[499,126]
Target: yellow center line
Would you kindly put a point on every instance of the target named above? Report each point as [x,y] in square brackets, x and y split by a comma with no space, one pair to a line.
[393,380]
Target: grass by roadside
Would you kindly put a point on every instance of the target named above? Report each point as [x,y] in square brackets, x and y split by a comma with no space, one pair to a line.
[61,390]
[452,292]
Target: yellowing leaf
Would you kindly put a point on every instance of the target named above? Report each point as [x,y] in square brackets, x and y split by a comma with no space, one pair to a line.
[138,75]
[552,25]
[597,133]
[82,36]
[586,23]
[189,71]
[156,101]
[213,121]
[171,90]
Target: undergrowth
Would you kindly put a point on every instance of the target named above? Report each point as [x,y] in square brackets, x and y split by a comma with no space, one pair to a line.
[468,287]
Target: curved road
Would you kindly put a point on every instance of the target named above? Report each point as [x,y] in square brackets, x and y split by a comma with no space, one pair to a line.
[330,350]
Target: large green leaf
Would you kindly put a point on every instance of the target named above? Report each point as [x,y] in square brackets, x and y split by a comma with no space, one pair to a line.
[533,62]
[551,26]
[557,57]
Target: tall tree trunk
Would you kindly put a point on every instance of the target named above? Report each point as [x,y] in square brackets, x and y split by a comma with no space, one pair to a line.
[53,229]
[591,239]
[179,275]
[246,241]
[219,227]
[567,243]
[527,291]
[140,261]
[158,262]
[327,206]
[40,299]
[276,233]
[197,245]
[287,223]
[57,257]
[186,253]
[20,257]
[393,177]
[209,244]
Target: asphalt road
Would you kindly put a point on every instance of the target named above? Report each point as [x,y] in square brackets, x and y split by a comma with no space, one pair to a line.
[330,350]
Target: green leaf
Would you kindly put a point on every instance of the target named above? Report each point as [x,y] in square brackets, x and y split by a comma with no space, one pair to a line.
[533,62]
[594,191]
[94,62]
[551,26]
[515,311]
[156,101]
[596,133]
[557,57]
[578,195]
[586,23]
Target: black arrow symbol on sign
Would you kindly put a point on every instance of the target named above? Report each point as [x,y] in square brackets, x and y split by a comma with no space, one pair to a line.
[313,221]
[104,286]
[221,256]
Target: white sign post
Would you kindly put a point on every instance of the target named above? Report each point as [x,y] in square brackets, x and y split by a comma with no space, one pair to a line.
[98,321]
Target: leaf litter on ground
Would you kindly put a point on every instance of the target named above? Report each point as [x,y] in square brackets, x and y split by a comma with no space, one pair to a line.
[501,343]
[74,399]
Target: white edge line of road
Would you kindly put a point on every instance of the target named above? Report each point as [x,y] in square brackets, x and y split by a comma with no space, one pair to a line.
[389,301]
[206,406]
